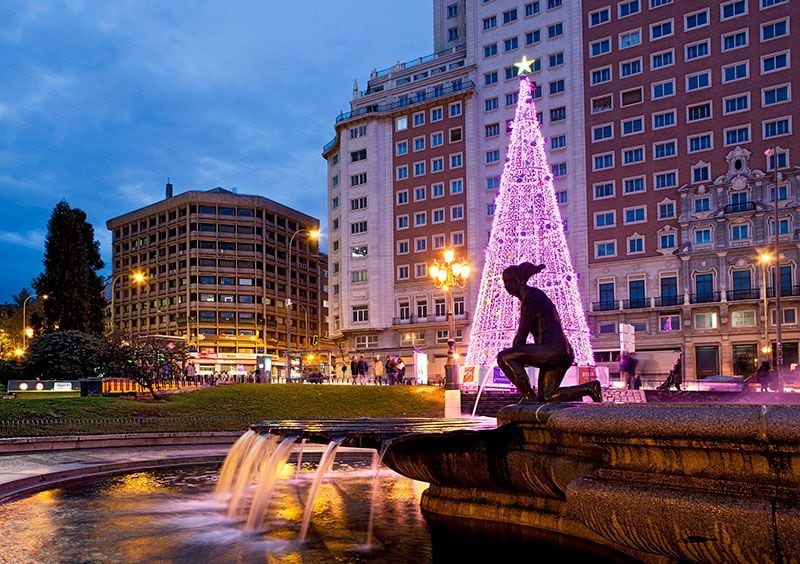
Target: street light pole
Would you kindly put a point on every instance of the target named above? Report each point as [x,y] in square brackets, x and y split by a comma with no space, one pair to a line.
[446,275]
[313,234]
[778,313]
[764,259]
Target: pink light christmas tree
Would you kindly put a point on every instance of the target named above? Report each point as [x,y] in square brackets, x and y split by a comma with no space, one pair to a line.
[527,226]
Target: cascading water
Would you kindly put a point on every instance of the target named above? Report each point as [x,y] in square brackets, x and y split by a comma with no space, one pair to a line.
[230,467]
[263,447]
[325,463]
[266,483]
[377,459]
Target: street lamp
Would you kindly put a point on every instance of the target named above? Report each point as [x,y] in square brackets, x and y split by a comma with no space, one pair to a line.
[445,275]
[765,259]
[313,234]
[137,278]
[776,276]
[25,334]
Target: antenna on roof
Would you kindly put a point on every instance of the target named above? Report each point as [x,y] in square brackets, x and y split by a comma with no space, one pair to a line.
[169,190]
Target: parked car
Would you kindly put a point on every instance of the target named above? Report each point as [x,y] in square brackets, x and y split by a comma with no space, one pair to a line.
[315,378]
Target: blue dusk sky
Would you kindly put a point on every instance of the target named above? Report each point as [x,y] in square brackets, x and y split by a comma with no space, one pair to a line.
[102,100]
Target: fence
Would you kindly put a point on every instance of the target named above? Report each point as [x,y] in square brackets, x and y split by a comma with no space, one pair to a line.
[44,427]
[112,386]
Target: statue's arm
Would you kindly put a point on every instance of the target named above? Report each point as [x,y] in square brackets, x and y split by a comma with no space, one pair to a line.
[524,327]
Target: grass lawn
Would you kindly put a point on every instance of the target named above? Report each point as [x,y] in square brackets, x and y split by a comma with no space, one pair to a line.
[217,408]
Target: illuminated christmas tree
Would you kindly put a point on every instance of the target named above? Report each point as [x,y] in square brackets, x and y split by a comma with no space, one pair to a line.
[527,226]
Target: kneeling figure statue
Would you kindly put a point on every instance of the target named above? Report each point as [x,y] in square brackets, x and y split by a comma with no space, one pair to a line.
[550,351]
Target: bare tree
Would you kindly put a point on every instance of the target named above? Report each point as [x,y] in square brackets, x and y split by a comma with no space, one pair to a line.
[151,362]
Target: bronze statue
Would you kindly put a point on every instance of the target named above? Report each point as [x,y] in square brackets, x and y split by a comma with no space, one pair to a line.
[550,351]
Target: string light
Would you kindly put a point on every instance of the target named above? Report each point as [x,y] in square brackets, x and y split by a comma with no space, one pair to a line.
[527,226]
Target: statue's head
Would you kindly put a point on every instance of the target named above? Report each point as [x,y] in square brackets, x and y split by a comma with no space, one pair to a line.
[516,277]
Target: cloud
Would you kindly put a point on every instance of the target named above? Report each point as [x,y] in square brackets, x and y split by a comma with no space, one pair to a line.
[33,239]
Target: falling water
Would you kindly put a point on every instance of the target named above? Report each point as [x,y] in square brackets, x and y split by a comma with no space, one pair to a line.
[266,482]
[299,457]
[263,447]
[232,462]
[325,463]
[480,391]
[377,459]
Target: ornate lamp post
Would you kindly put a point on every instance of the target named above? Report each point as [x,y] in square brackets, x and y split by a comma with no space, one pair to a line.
[445,275]
[771,153]
[765,259]
[313,234]
[25,329]
[137,278]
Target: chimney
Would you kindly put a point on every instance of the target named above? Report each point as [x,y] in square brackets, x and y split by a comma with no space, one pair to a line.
[169,189]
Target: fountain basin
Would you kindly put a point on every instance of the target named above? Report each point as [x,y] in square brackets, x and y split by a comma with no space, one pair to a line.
[694,482]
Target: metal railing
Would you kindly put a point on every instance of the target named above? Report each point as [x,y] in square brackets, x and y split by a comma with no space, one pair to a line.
[420,60]
[744,294]
[704,297]
[636,303]
[740,207]
[675,300]
[606,305]
[56,427]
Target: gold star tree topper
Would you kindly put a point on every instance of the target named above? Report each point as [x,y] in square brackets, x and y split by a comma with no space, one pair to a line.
[524,66]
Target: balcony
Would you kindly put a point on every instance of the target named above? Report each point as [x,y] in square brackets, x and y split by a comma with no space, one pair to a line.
[704,297]
[669,300]
[740,207]
[785,291]
[744,294]
[636,303]
[605,305]
[432,319]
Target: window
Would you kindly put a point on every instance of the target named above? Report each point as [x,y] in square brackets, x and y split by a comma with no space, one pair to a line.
[665,179]
[603,161]
[358,276]
[456,187]
[664,119]
[554,4]
[489,23]
[632,156]
[635,215]
[360,314]
[778,127]
[771,63]
[665,150]
[774,30]
[632,126]
[603,190]
[599,17]
[557,87]
[658,3]
[559,169]
[532,8]
[698,81]
[666,210]
[418,119]
[771,3]
[561,197]
[455,135]
[701,173]
[360,155]
[630,97]
[698,112]
[558,142]
[420,245]
[777,95]
[490,50]
[602,132]
[437,164]
[490,78]
[555,30]
[628,8]
[456,212]
[705,320]
[419,168]
[630,68]
[630,39]
[512,98]
[509,16]
[633,185]
[737,103]
[734,9]
[605,219]
[454,109]
[437,215]
[600,47]
[437,139]
[419,144]
[359,203]
[419,193]
[740,232]
[702,236]
[401,172]
[358,179]
[437,114]
[556,59]
[735,40]
[420,219]
[452,10]
[666,241]
[702,205]
[452,34]
[402,247]
[602,104]
[492,182]
[358,227]
[402,222]
[558,114]
[437,190]
[402,197]
[661,29]
[737,135]
[695,20]
[401,123]
[510,44]
[662,59]
[532,37]
[636,246]
[359,131]
[492,156]
[600,76]
[737,71]
[401,148]
[698,50]
[605,249]
[492,130]
[490,104]
[669,322]
[700,143]
[457,238]
[743,318]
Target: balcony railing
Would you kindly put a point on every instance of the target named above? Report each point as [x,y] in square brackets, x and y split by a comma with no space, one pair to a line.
[704,297]
[636,303]
[669,300]
[740,207]
[429,94]
[785,291]
[433,319]
[744,294]
[605,305]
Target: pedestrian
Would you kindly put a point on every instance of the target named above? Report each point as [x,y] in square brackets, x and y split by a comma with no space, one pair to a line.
[363,369]
[637,382]
[763,376]
[378,369]
[401,372]
[391,373]
[677,374]
[354,370]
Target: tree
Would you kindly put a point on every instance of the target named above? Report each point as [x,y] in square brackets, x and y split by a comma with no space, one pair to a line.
[148,361]
[70,278]
[63,355]
[527,226]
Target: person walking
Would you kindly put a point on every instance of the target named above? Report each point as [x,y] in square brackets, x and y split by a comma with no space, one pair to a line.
[378,369]
[354,370]
[763,376]
[363,369]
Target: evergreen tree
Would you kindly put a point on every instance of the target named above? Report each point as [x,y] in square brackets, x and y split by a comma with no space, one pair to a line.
[70,278]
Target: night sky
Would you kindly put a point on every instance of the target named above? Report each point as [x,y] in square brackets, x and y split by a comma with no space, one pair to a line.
[101,101]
